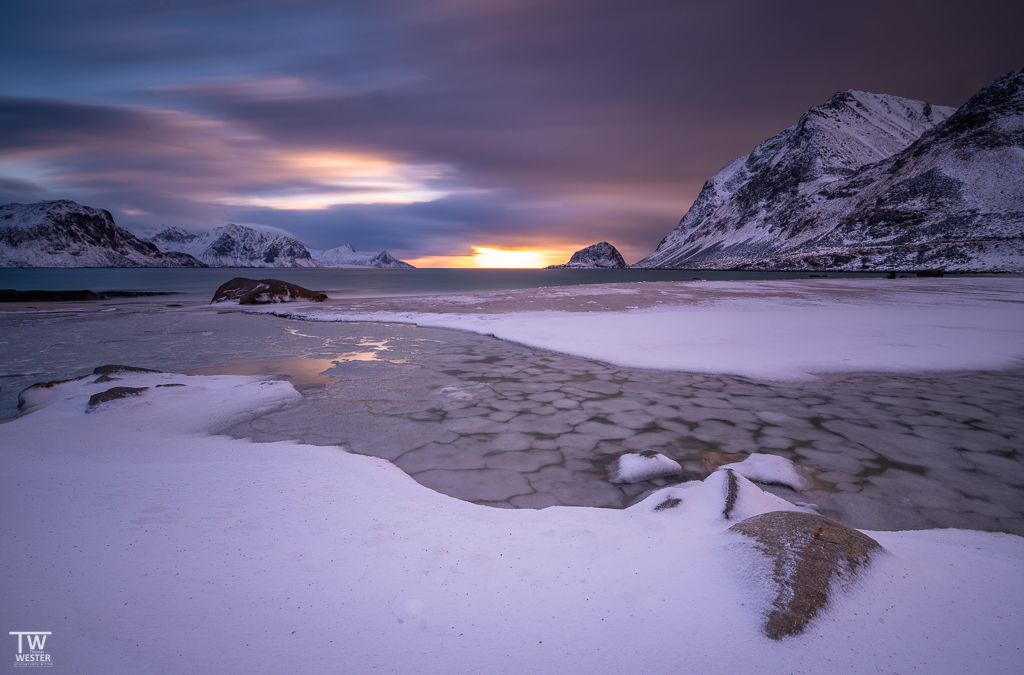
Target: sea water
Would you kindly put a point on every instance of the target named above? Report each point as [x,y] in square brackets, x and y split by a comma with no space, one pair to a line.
[200,284]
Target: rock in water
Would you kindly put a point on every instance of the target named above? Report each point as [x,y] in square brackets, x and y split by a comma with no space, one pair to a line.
[65,234]
[264,291]
[634,467]
[771,469]
[813,557]
[869,182]
[598,256]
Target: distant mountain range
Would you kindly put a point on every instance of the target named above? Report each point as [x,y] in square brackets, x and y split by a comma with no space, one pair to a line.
[869,182]
[65,234]
[239,246]
[346,256]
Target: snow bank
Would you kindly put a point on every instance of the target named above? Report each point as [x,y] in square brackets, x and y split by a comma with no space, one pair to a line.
[770,469]
[634,467]
[774,330]
[145,544]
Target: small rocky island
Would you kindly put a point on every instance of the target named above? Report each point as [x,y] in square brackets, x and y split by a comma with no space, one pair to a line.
[601,256]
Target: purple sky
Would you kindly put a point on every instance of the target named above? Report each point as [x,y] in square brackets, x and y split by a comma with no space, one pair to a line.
[428,127]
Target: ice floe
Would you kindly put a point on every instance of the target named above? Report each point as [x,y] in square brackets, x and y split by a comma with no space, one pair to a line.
[774,330]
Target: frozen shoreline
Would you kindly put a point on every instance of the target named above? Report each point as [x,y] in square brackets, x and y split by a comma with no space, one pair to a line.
[773,330]
[130,521]
[209,552]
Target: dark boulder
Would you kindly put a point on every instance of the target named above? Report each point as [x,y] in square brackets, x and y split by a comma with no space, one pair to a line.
[264,291]
[813,557]
[114,393]
[11,295]
[29,396]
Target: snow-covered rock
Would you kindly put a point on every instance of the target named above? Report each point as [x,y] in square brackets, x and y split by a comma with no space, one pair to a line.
[234,246]
[65,234]
[634,467]
[771,469]
[346,256]
[813,559]
[869,182]
[601,255]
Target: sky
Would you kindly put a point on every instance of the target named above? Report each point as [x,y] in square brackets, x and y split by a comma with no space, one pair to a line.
[440,130]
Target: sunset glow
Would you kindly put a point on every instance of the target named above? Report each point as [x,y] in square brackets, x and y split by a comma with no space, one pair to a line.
[327,179]
[493,257]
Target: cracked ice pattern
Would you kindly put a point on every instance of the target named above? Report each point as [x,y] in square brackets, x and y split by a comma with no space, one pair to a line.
[508,426]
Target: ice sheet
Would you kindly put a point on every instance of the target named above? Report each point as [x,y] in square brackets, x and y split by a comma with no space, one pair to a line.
[774,330]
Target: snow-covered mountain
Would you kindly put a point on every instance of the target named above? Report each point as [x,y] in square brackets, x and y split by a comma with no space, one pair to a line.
[601,255]
[346,256]
[65,234]
[869,182]
[240,246]
[234,246]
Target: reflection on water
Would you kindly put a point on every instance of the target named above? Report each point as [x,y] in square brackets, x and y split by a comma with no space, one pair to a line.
[302,371]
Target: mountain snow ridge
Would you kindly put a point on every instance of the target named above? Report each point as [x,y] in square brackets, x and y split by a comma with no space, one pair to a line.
[62,233]
[346,256]
[240,246]
[824,195]
[235,246]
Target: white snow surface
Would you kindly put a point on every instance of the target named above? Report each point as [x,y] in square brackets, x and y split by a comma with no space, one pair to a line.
[772,330]
[634,467]
[146,544]
[770,469]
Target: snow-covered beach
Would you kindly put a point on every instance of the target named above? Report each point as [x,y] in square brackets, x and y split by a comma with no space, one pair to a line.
[146,539]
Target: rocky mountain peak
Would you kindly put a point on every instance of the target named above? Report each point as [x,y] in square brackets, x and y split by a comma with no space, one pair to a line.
[868,181]
[601,255]
[235,246]
[62,233]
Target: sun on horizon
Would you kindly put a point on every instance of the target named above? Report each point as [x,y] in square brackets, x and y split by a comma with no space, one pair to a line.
[496,257]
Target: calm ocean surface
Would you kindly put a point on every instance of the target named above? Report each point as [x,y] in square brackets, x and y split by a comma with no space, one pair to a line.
[199,284]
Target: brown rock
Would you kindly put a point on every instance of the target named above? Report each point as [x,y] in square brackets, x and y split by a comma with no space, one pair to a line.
[264,291]
[813,557]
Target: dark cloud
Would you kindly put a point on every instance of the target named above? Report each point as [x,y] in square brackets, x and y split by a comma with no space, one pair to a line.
[567,121]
